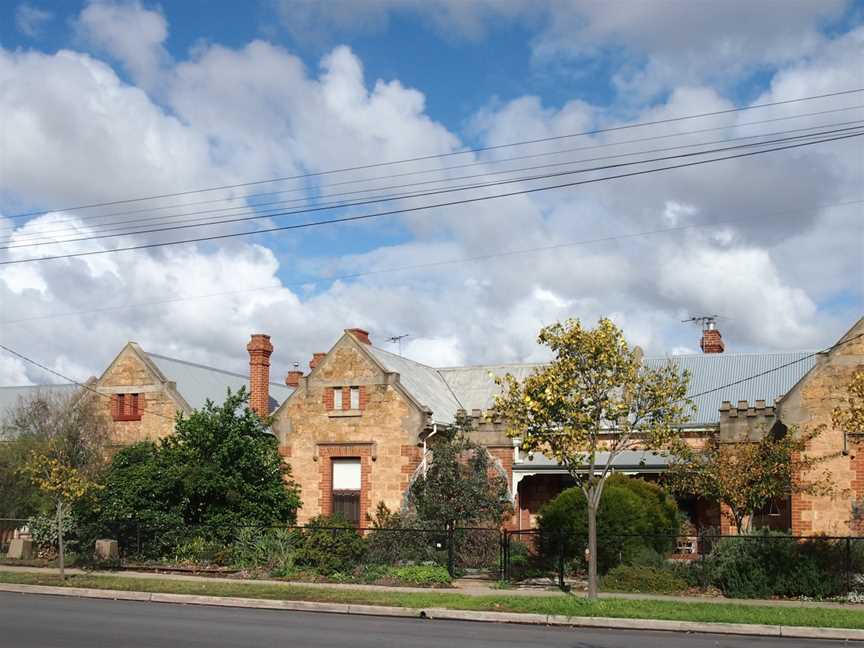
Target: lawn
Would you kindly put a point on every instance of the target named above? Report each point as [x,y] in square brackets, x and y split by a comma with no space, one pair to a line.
[559,605]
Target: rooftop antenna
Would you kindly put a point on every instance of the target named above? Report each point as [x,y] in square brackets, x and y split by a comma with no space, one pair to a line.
[708,322]
[397,340]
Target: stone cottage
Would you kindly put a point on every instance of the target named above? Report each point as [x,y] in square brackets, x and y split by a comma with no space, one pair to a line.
[355,429]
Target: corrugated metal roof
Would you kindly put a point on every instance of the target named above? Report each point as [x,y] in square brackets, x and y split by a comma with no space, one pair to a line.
[711,370]
[475,388]
[10,397]
[424,383]
[198,383]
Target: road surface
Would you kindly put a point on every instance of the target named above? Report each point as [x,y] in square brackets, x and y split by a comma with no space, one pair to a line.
[37,621]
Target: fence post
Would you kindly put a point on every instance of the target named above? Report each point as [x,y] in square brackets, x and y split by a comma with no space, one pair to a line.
[451,567]
[138,539]
[505,557]
[561,559]
[848,565]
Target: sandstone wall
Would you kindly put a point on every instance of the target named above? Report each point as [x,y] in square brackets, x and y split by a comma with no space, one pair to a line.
[384,434]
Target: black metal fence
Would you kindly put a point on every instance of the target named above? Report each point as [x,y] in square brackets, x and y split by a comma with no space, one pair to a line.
[744,565]
[324,548]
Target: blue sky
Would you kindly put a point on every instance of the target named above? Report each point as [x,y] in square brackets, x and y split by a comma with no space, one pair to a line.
[115,99]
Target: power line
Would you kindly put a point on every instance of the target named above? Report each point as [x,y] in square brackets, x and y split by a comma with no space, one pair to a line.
[463,201]
[418,266]
[449,154]
[246,197]
[773,369]
[74,382]
[259,216]
[44,237]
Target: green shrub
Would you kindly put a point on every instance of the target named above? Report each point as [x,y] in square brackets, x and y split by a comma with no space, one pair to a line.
[422,575]
[330,545]
[766,564]
[632,578]
[43,531]
[396,539]
[273,549]
[636,519]
[201,551]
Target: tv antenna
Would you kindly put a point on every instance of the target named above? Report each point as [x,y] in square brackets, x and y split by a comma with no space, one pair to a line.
[708,322]
[397,340]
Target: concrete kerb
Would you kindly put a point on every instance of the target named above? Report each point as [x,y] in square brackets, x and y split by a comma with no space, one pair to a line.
[447,614]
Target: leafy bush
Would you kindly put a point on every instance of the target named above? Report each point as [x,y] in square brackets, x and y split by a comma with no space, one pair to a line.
[397,539]
[330,545]
[765,564]
[632,578]
[43,531]
[273,549]
[635,518]
[422,575]
[201,551]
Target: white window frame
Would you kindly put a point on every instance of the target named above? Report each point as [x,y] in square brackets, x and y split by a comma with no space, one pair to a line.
[354,398]
[337,398]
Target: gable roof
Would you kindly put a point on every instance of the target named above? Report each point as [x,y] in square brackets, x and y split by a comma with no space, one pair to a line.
[444,390]
[423,382]
[197,383]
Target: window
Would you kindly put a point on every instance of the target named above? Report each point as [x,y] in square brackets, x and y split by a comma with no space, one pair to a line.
[345,401]
[346,489]
[337,398]
[355,398]
[127,407]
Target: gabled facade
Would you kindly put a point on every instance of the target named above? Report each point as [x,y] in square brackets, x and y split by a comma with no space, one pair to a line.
[142,392]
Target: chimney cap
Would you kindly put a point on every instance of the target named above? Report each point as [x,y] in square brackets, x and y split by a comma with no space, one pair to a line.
[362,335]
[293,378]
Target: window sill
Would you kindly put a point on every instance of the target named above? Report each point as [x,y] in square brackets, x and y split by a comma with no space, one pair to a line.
[127,418]
[344,413]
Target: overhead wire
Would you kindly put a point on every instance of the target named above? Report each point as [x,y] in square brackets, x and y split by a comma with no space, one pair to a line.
[467,151]
[247,196]
[418,266]
[253,216]
[46,236]
[463,201]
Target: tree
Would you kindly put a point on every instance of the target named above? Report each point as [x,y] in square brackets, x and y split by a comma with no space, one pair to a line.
[636,520]
[849,417]
[221,469]
[63,484]
[746,476]
[68,427]
[460,487]
[592,402]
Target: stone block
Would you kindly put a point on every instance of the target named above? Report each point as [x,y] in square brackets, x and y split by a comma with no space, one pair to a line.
[20,549]
[107,550]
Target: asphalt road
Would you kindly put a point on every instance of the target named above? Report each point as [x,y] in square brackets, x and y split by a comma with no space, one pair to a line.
[28,620]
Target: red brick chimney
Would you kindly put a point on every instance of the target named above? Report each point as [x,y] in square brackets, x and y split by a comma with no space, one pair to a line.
[712,341]
[361,335]
[293,378]
[316,359]
[259,349]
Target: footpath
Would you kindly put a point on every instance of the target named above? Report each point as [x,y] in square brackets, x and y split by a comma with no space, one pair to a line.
[468,588]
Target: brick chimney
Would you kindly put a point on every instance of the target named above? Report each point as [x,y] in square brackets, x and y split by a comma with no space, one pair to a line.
[361,335]
[294,376]
[259,349]
[712,341]
[316,359]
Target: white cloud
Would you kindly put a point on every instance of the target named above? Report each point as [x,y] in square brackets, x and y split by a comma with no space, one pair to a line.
[130,34]
[31,20]
[226,115]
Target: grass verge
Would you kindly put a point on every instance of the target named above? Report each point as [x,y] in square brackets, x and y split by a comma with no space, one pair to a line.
[570,606]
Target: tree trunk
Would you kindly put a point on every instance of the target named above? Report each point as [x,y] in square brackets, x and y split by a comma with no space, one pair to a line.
[61,558]
[592,547]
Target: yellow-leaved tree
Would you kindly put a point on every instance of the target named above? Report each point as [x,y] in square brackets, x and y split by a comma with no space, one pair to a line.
[63,484]
[592,402]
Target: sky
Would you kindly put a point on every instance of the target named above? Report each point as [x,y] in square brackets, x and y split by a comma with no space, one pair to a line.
[104,101]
